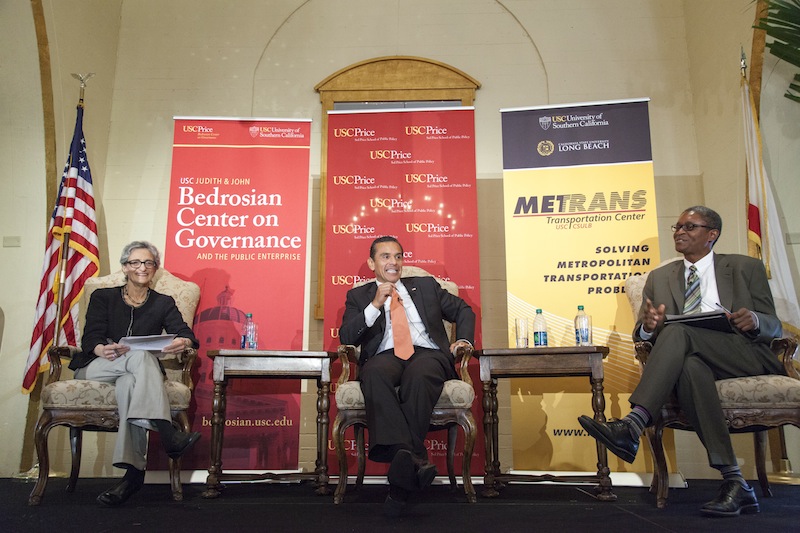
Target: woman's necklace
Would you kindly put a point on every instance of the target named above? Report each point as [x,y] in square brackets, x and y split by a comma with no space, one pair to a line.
[130,299]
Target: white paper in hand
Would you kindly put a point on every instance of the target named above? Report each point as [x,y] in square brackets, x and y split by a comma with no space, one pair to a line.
[153,343]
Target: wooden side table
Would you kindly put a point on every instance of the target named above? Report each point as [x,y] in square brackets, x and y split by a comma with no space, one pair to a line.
[269,364]
[541,362]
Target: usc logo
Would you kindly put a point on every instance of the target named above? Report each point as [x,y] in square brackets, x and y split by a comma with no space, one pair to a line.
[425,130]
[353,132]
[353,180]
[426,227]
[346,280]
[352,229]
[197,129]
[389,154]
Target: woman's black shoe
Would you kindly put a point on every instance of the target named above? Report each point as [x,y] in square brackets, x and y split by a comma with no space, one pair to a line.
[179,443]
[130,484]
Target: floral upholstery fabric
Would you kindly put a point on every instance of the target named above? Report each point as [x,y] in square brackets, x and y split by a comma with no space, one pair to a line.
[89,395]
[759,391]
[456,394]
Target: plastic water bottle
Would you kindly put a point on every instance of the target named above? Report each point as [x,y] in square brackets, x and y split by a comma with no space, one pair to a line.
[539,329]
[249,339]
[583,328]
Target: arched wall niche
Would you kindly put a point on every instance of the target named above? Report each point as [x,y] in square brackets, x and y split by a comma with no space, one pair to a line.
[383,79]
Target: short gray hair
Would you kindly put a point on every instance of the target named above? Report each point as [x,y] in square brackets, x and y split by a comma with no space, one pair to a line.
[710,217]
[139,245]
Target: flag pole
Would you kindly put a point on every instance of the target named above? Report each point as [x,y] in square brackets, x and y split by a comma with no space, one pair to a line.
[62,266]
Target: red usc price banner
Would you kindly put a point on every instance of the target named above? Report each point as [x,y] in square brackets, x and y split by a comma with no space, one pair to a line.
[238,218]
[410,174]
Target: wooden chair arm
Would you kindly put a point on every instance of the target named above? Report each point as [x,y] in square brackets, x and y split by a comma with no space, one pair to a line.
[347,356]
[786,350]
[642,351]
[188,358]
[462,356]
[55,355]
[183,363]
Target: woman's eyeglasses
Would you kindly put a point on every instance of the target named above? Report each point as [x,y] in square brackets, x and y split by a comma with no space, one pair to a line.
[149,265]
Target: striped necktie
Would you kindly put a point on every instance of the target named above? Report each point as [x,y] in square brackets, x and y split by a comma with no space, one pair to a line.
[691,303]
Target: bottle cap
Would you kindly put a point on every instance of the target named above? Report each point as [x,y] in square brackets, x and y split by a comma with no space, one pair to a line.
[580,308]
[538,311]
[249,315]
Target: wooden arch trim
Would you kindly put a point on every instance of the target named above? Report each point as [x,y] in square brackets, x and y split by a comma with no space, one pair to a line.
[382,79]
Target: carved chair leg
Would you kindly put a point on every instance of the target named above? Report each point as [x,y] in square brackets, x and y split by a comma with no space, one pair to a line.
[760,445]
[181,421]
[40,439]
[660,459]
[358,428]
[76,446]
[338,445]
[452,436]
[467,422]
[649,432]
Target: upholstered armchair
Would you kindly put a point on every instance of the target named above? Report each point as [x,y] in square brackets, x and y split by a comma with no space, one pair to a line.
[453,410]
[750,404]
[85,405]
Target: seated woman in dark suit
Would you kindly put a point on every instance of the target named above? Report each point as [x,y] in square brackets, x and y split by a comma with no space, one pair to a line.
[134,309]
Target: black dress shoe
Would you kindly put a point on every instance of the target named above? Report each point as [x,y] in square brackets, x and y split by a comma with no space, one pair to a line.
[396,501]
[402,471]
[179,443]
[733,499]
[119,493]
[616,435]
[426,473]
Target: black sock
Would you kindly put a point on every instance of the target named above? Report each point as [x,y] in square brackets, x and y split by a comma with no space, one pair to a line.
[134,474]
[166,429]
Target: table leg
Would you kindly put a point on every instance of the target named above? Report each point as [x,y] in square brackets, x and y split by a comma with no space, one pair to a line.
[213,484]
[490,438]
[604,492]
[323,420]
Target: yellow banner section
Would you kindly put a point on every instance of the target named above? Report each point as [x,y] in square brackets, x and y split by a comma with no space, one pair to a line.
[601,230]
[574,234]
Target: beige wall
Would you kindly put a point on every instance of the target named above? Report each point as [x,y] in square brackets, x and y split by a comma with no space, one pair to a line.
[157,59]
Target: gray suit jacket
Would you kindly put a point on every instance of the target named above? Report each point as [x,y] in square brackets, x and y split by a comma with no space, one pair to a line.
[741,282]
[433,303]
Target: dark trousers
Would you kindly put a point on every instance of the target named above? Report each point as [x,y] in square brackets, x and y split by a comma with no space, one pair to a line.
[399,418]
[688,360]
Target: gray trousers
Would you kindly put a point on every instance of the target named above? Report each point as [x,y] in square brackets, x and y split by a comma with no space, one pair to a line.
[688,360]
[141,397]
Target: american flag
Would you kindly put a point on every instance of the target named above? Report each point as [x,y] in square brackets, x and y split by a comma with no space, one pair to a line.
[73,222]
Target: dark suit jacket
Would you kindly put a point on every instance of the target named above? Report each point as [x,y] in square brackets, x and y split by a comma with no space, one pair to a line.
[741,282]
[433,303]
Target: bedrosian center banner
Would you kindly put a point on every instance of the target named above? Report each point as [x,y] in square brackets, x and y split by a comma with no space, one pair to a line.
[409,174]
[238,226]
[580,217]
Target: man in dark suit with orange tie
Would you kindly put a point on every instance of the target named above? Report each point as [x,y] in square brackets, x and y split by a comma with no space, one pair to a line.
[402,378]
[689,359]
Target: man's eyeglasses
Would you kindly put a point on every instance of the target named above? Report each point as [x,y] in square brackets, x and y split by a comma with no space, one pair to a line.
[689,226]
[149,265]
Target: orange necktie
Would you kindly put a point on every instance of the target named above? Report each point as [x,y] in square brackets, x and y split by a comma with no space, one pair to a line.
[403,347]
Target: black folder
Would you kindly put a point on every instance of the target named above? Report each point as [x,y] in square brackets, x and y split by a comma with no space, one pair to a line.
[716,320]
